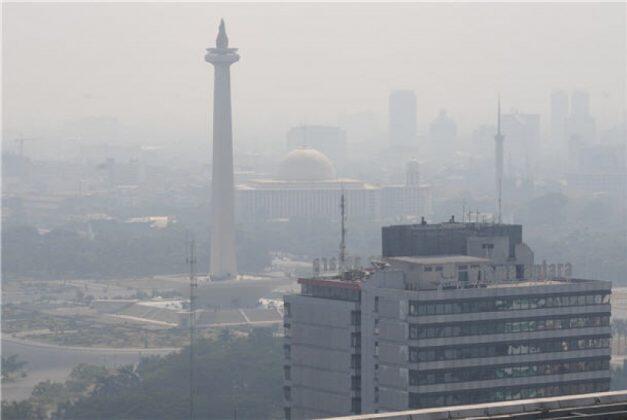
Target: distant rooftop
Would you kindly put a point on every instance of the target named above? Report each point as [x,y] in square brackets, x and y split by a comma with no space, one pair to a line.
[453,224]
[441,259]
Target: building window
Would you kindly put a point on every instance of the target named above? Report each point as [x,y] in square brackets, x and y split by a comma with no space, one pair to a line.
[376,303]
[287,351]
[413,331]
[287,370]
[529,325]
[356,340]
[413,377]
[355,361]
[356,383]
[287,309]
[356,405]
[503,349]
[287,393]
[413,307]
[503,304]
[355,318]
[413,354]
[288,413]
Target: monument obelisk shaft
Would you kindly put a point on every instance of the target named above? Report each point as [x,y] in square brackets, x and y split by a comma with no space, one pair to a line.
[223,261]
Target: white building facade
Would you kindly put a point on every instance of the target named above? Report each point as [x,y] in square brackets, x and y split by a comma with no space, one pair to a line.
[306,187]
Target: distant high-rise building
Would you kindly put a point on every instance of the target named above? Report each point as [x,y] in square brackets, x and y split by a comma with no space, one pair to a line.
[412,173]
[523,141]
[580,103]
[223,262]
[442,133]
[329,140]
[559,113]
[402,119]
[580,125]
[409,201]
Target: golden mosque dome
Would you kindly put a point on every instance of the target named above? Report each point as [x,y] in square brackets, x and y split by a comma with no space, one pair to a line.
[306,164]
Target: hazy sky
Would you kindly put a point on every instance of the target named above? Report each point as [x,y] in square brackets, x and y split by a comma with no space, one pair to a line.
[143,63]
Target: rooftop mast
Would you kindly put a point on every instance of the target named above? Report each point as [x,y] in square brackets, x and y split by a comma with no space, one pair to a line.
[498,161]
[343,236]
[193,284]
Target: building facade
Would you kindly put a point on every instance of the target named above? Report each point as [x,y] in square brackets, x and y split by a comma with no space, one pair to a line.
[500,243]
[477,338]
[402,119]
[322,348]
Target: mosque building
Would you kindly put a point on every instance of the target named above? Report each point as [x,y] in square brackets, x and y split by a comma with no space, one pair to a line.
[307,187]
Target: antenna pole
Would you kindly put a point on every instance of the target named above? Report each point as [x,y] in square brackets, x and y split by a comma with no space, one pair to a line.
[193,284]
[343,235]
[498,158]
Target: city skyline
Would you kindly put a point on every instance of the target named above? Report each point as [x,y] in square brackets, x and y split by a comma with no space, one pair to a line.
[583,48]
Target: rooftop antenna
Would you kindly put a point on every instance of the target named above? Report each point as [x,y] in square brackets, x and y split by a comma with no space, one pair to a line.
[343,234]
[498,158]
[193,284]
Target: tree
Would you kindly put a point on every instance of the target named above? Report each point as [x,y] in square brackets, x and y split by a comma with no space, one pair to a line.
[242,374]
[11,366]
[21,410]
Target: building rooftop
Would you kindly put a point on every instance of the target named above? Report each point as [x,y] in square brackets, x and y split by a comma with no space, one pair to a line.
[601,405]
[453,224]
[441,259]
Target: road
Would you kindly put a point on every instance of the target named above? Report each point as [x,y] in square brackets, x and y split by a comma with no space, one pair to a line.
[53,362]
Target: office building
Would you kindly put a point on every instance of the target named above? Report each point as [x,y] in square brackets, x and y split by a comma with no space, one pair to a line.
[323,349]
[580,125]
[522,132]
[442,135]
[402,119]
[447,330]
[559,113]
[447,325]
